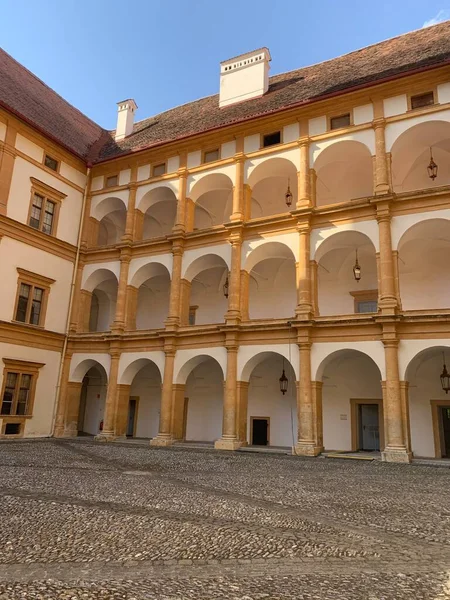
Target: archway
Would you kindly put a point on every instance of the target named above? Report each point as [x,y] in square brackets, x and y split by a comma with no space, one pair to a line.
[103,286]
[152,282]
[92,400]
[271,415]
[344,171]
[269,182]
[111,214]
[339,293]
[423,265]
[159,208]
[272,291]
[352,402]
[213,198]
[429,405]
[411,156]
[203,299]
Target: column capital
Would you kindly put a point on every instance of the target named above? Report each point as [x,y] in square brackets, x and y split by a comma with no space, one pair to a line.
[182,172]
[379,123]
[304,141]
[304,225]
[239,157]
[178,247]
[235,237]
[132,186]
[125,254]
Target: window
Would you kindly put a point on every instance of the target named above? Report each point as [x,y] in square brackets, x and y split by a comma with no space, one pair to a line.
[211,155]
[51,163]
[367,306]
[422,100]
[270,139]
[19,384]
[366,301]
[159,170]
[112,181]
[44,207]
[12,429]
[32,296]
[340,121]
[192,312]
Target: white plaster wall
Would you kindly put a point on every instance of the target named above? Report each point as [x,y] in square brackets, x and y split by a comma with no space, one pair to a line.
[227,170]
[408,349]
[318,236]
[88,270]
[147,386]
[251,355]
[194,159]
[291,132]
[72,174]
[171,184]
[130,364]
[124,177]
[266,400]
[81,362]
[323,353]
[207,294]
[143,172]
[399,225]
[98,212]
[292,155]
[173,164]
[290,240]
[317,126]
[347,376]
[443,91]
[15,254]
[204,388]
[395,105]
[252,143]
[366,137]
[97,183]
[363,114]
[221,250]
[228,149]
[137,263]
[153,303]
[29,148]
[2,131]
[272,289]
[394,130]
[186,360]
[20,197]
[44,401]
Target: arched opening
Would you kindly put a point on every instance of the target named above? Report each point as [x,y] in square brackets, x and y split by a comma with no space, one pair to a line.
[344,171]
[144,402]
[411,156]
[352,402]
[153,291]
[269,182]
[272,291]
[271,415]
[103,285]
[339,292]
[204,301]
[424,267]
[92,400]
[213,197]
[429,405]
[112,216]
[203,400]
[159,207]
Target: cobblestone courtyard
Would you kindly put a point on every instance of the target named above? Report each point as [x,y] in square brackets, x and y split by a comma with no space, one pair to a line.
[86,520]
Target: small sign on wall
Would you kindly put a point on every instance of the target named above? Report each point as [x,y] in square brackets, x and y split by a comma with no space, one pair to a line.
[343,417]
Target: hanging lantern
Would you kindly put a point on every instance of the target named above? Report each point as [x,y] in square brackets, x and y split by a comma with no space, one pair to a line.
[288,195]
[283,381]
[432,168]
[226,287]
[445,377]
[357,269]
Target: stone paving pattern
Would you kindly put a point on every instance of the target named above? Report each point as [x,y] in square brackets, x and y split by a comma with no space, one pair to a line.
[82,520]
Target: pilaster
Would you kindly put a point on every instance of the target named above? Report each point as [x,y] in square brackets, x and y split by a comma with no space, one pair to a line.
[165,435]
[387,292]
[180,220]
[304,177]
[304,310]
[173,319]
[112,400]
[118,325]
[7,159]
[63,399]
[131,210]
[233,316]
[381,177]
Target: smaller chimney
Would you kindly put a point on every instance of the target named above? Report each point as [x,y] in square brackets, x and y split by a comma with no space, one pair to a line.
[244,77]
[125,118]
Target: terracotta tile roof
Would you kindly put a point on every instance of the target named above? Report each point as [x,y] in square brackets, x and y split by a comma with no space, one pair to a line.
[31,99]
[27,96]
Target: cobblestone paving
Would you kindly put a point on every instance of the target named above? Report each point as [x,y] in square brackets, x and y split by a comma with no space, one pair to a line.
[81,520]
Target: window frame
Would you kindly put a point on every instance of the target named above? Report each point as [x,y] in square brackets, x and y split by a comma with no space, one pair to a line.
[364,296]
[35,281]
[110,176]
[155,166]
[192,311]
[339,116]
[19,367]
[414,94]
[266,134]
[48,194]
[207,151]
[58,162]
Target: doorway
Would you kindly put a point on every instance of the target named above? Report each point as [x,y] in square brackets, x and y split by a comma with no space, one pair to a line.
[260,431]
[369,427]
[132,416]
[445,412]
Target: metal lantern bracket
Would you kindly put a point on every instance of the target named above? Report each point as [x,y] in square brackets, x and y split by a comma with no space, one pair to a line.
[445,377]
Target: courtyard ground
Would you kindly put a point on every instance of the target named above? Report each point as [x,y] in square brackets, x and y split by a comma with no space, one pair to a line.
[83,520]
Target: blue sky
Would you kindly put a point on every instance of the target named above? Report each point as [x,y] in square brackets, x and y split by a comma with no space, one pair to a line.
[95,53]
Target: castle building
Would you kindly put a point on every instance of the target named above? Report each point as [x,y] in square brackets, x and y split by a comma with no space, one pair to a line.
[266,266]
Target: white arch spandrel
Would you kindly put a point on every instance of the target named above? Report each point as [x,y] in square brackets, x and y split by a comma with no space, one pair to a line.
[292,156]
[290,240]
[96,209]
[81,363]
[409,349]
[400,225]
[250,356]
[187,360]
[365,137]
[221,250]
[394,130]
[88,270]
[321,351]
[368,228]
[130,363]
[229,171]
[171,184]
[166,260]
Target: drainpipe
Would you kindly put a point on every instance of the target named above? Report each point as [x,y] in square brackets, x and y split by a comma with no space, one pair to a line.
[69,309]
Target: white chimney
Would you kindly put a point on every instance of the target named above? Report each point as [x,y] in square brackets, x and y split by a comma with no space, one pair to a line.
[244,77]
[125,118]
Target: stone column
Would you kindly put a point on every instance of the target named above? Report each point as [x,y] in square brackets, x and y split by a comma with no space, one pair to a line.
[60,420]
[73,395]
[179,414]
[121,413]
[307,411]
[304,302]
[387,292]
[84,311]
[111,401]
[404,393]
[92,232]
[74,324]
[131,308]
[118,325]
[314,287]
[394,426]
[7,158]
[241,417]
[313,184]
[185,299]
[245,293]
[131,210]
[229,439]
[233,315]
[238,190]
[190,214]
[304,176]
[173,318]
[165,434]
[180,220]
[247,202]
[381,176]
[397,279]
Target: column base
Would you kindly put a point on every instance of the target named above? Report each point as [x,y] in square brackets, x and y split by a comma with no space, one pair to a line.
[162,441]
[105,437]
[227,444]
[396,455]
[65,432]
[305,449]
